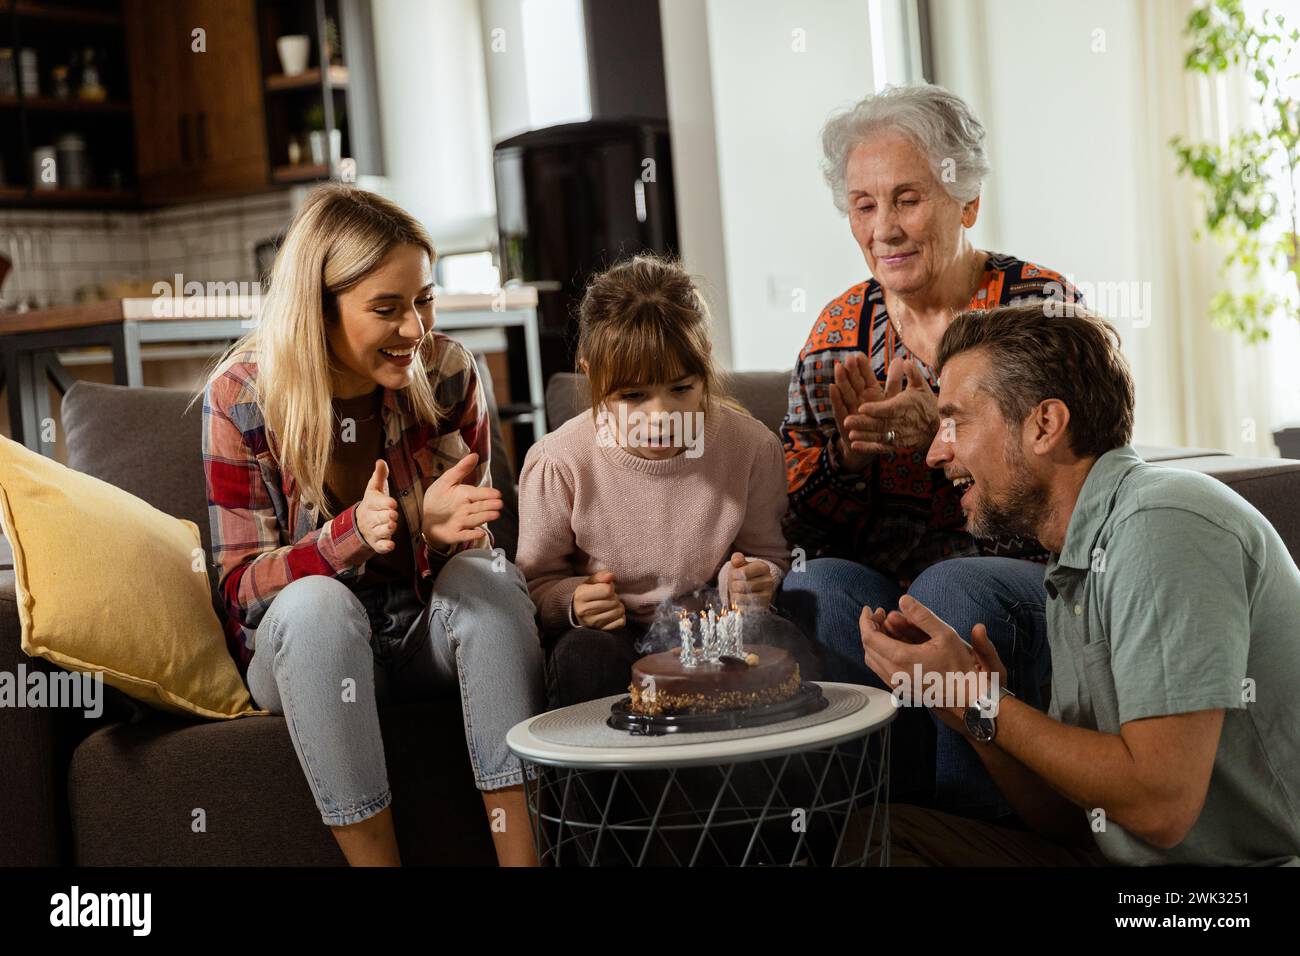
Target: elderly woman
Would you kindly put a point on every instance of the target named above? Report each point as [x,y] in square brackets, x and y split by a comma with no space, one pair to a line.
[906,166]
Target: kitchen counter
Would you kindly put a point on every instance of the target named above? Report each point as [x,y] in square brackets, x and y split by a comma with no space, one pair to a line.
[152,309]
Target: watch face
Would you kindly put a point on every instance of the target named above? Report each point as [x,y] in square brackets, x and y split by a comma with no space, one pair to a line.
[981,728]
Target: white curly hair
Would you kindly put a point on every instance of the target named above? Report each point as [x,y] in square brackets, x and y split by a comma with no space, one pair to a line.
[939,121]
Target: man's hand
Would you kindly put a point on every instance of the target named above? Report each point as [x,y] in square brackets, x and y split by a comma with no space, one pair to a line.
[596,603]
[895,643]
[454,511]
[749,584]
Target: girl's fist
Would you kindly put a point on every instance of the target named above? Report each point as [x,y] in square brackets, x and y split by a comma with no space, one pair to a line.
[596,603]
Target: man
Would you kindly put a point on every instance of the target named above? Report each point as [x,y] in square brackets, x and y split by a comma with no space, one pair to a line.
[1173,621]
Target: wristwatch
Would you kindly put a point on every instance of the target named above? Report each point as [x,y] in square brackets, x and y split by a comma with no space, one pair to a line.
[981,719]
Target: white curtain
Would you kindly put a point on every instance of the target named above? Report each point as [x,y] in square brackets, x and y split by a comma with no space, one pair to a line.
[1199,384]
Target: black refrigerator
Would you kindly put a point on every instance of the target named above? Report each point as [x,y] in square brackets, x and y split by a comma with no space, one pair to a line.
[571,201]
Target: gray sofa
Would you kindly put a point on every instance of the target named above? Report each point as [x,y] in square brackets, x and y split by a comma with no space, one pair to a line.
[121,789]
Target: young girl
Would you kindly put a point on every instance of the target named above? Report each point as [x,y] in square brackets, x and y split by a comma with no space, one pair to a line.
[665,488]
[346,453]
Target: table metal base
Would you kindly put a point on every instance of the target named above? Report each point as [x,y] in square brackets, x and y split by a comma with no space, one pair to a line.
[821,806]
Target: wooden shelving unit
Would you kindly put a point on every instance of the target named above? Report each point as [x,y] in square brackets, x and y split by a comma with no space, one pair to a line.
[177,128]
[308,79]
[75,197]
[60,32]
[52,104]
[66,13]
[336,96]
[301,173]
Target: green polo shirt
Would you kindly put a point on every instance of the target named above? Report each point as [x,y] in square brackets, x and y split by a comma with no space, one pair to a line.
[1172,594]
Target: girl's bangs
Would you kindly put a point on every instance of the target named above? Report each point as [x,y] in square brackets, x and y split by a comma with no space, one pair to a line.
[646,355]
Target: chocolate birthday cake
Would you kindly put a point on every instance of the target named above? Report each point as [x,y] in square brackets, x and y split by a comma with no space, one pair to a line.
[664,684]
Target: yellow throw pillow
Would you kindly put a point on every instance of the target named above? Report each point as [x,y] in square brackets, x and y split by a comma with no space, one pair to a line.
[108,583]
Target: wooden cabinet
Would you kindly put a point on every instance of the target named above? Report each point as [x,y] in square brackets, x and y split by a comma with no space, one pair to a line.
[92,118]
[198,112]
[157,44]
[334,101]
[196,124]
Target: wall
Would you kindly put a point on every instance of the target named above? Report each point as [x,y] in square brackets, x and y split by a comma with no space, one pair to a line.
[776,70]
[535,53]
[695,160]
[433,98]
[789,250]
[625,60]
[1079,101]
[1061,122]
[62,252]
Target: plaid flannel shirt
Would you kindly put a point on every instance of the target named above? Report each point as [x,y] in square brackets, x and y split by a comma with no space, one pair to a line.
[898,515]
[264,536]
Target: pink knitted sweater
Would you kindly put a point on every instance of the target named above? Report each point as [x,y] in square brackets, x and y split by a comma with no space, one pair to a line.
[664,528]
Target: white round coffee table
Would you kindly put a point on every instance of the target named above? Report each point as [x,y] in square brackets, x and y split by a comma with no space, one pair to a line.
[805,791]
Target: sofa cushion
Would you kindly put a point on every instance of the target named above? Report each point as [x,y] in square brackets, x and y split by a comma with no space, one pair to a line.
[108,584]
[33,755]
[134,789]
[143,441]
[1163,453]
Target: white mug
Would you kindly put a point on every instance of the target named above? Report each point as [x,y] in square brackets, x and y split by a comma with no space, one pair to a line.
[294,50]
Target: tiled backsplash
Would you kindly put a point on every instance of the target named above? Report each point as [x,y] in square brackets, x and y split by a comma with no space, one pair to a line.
[57,253]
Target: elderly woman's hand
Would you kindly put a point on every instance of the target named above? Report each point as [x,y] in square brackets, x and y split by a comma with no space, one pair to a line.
[911,414]
[855,384]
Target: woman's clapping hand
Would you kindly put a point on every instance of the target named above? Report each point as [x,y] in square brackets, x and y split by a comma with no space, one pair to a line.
[377,513]
[866,412]
[455,511]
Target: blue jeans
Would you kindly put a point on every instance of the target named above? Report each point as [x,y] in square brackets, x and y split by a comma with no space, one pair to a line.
[325,656]
[933,764]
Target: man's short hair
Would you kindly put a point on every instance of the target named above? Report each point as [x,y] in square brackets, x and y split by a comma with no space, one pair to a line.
[1050,349]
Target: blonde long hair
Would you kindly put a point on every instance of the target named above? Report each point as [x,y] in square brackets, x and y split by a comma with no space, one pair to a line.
[339,235]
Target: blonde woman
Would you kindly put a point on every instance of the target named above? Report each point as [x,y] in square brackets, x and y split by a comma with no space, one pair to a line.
[346,453]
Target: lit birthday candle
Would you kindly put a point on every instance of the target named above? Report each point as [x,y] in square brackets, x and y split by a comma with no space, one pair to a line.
[737,631]
[727,624]
[684,631]
[714,643]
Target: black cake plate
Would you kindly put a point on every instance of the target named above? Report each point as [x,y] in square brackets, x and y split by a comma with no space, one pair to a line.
[808,699]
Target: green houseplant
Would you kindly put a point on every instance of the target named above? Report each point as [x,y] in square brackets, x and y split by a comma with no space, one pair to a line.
[1247,207]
